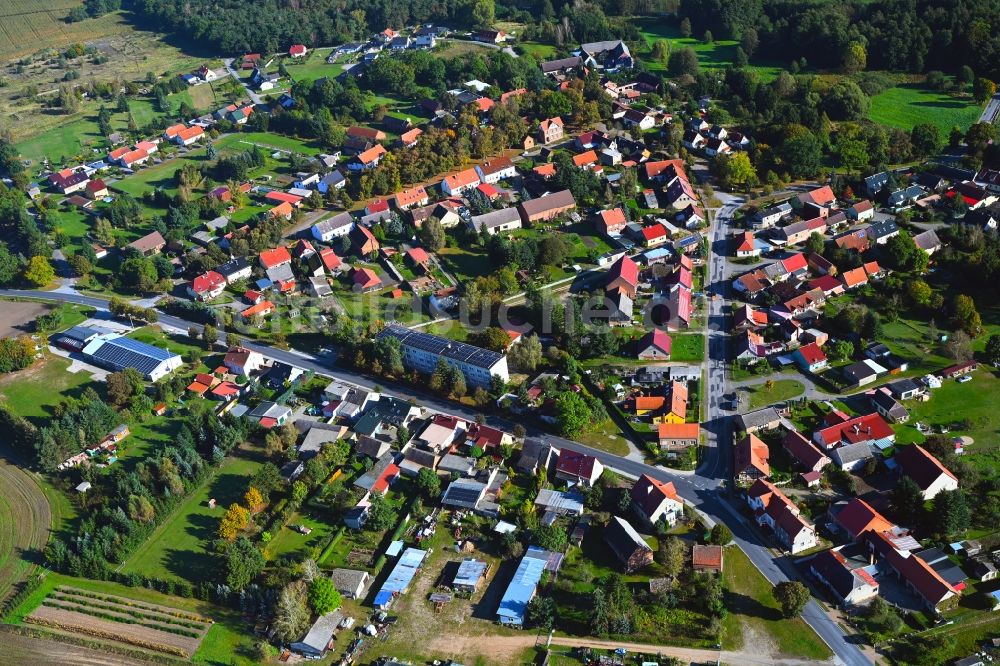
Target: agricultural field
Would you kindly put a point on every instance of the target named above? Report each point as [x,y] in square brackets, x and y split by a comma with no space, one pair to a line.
[25,519]
[226,641]
[27,26]
[909,104]
[125,620]
[178,548]
[116,52]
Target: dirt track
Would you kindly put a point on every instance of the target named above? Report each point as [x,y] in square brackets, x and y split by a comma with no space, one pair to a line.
[25,518]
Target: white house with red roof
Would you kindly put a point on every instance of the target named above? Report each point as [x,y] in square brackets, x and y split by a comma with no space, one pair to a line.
[298,50]
[273,258]
[654,500]
[578,468]
[460,182]
[243,361]
[810,357]
[866,429]
[611,222]
[746,245]
[207,286]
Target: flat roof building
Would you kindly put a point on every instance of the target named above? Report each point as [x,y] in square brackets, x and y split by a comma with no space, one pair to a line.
[421,352]
[116,352]
[522,588]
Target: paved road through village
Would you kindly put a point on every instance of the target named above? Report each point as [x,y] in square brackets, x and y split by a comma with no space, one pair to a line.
[703,488]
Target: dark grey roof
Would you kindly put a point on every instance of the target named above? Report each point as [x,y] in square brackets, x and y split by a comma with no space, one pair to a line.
[80,333]
[128,353]
[232,267]
[435,344]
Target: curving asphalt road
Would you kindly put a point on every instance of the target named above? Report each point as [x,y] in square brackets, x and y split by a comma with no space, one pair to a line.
[703,488]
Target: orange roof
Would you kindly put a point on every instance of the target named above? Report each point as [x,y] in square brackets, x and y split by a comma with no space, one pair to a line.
[276,195]
[410,136]
[173,130]
[261,308]
[134,156]
[613,217]
[649,402]
[462,179]
[545,170]
[371,154]
[198,387]
[545,124]
[190,133]
[751,451]
[275,257]
[411,196]
[706,556]
[854,277]
[118,152]
[872,268]
[284,209]
[484,104]
[585,159]
[858,517]
[679,431]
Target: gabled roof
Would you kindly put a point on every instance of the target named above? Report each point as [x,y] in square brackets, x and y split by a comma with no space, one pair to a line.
[550,122]
[916,463]
[462,179]
[752,452]
[871,427]
[821,196]
[372,154]
[275,257]
[858,516]
[207,282]
[811,353]
[576,464]
[649,494]
[796,262]
[804,451]
[679,430]
[854,277]
[657,338]
[626,270]
[585,159]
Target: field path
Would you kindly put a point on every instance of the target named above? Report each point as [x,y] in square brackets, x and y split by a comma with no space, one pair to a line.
[25,519]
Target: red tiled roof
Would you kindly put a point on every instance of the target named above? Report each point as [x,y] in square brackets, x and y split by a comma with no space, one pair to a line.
[624,269]
[366,277]
[654,169]
[649,493]
[858,517]
[657,338]
[613,218]
[752,452]
[418,255]
[275,257]
[654,231]
[812,354]
[279,196]
[707,557]
[804,451]
[576,464]
[747,244]
[410,196]
[796,262]
[585,159]
[207,282]
[372,154]
[545,170]
[385,478]
[263,307]
[330,259]
[866,428]
[297,49]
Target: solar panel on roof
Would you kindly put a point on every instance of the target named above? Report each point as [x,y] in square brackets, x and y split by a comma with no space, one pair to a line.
[463,494]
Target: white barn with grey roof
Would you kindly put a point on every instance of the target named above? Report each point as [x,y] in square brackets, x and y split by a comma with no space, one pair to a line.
[116,352]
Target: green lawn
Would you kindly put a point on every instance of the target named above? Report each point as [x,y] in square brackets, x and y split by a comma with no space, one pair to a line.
[75,224]
[956,405]
[62,141]
[783,389]
[688,348]
[288,540]
[227,642]
[910,104]
[178,344]
[750,600]
[33,393]
[243,140]
[313,66]
[158,176]
[606,436]
[179,547]
[716,55]
[465,263]
[538,50]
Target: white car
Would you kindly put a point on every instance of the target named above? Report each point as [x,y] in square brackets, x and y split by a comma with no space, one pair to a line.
[964,378]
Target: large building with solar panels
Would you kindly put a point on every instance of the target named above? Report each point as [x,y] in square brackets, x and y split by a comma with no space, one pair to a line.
[421,352]
[116,352]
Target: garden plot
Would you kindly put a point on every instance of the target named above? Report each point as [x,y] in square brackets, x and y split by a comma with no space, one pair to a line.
[123,620]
